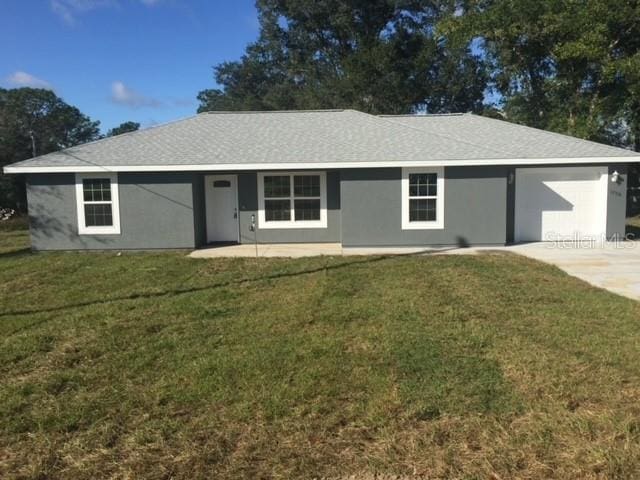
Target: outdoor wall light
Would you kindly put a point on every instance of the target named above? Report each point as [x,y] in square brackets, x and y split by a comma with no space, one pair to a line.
[615,177]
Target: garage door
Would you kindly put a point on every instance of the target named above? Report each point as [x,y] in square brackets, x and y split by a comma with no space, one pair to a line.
[567,202]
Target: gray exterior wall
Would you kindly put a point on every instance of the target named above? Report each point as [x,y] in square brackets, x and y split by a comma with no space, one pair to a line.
[156,211]
[511,204]
[474,209]
[248,203]
[199,210]
[167,210]
[617,203]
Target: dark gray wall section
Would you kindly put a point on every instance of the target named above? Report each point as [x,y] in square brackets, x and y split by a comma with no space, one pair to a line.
[167,210]
[199,210]
[248,202]
[511,204]
[156,211]
[474,209]
[617,203]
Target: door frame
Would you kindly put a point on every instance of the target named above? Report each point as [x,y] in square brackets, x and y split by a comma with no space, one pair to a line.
[207,188]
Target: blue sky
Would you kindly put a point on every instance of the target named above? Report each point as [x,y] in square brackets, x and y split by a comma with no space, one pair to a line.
[119,60]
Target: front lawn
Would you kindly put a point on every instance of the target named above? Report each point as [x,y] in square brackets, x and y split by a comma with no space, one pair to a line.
[154,365]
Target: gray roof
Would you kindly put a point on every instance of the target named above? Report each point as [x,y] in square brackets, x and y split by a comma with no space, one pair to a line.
[510,139]
[319,137]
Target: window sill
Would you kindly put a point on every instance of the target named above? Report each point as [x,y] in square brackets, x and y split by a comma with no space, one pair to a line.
[291,225]
[423,226]
[99,231]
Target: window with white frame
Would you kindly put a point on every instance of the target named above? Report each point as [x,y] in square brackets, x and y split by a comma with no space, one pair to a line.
[422,198]
[292,200]
[97,202]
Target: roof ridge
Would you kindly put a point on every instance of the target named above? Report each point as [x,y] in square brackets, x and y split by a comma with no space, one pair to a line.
[557,134]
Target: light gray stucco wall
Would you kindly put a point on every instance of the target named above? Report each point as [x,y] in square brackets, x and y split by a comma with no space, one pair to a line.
[156,211]
[474,209]
[248,203]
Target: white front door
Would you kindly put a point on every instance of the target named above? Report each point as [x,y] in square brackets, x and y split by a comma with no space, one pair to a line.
[560,203]
[221,197]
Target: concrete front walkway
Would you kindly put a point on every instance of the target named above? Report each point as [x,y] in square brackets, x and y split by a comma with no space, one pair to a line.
[291,250]
[296,250]
[613,266]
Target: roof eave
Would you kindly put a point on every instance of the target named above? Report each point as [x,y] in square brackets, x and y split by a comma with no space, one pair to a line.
[17,169]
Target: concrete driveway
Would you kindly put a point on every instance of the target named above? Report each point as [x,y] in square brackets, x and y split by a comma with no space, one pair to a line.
[614,266]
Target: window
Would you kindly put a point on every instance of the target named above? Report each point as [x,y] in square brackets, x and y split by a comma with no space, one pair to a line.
[292,200]
[97,202]
[422,198]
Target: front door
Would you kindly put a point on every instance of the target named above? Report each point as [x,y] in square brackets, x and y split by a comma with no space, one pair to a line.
[221,196]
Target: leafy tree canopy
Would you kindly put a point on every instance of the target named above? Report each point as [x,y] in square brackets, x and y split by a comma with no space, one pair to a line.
[571,67]
[124,127]
[379,56]
[33,122]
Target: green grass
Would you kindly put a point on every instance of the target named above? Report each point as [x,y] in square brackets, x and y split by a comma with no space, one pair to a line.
[154,365]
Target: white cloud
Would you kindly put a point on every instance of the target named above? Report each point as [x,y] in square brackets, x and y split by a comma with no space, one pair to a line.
[69,10]
[24,79]
[63,12]
[123,95]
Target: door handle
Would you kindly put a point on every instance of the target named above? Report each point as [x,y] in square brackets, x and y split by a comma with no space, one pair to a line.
[235,213]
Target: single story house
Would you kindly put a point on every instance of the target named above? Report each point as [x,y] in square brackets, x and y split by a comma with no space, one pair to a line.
[325,176]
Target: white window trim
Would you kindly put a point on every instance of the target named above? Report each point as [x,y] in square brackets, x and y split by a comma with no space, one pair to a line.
[438,223]
[322,223]
[115,205]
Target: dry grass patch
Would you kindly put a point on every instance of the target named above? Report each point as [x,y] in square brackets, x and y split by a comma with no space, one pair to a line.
[160,366]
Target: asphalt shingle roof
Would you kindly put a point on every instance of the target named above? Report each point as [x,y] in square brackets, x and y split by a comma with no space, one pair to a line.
[512,140]
[331,136]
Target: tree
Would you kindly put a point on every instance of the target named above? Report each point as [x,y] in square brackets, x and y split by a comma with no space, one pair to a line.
[379,56]
[124,127]
[570,67]
[35,122]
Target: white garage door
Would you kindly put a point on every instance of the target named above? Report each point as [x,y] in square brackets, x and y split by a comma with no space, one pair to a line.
[554,203]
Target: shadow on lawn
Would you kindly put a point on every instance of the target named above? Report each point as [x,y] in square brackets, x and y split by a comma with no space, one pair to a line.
[18,252]
[229,283]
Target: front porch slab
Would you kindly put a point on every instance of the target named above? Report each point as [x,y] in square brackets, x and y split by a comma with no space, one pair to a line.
[291,250]
[296,250]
